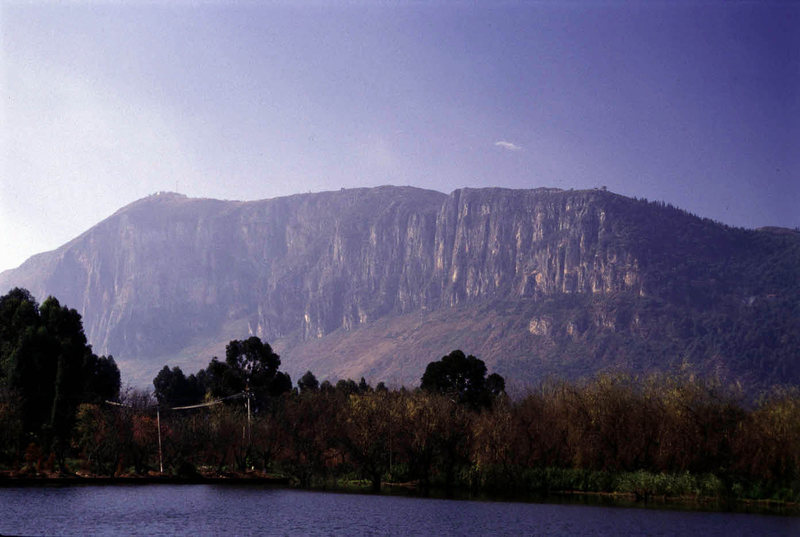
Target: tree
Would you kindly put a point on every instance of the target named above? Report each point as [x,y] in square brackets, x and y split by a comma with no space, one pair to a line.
[253,359]
[46,361]
[463,378]
[18,315]
[249,365]
[326,387]
[346,386]
[495,384]
[252,364]
[281,383]
[102,379]
[173,388]
[307,435]
[363,387]
[10,427]
[308,383]
[366,427]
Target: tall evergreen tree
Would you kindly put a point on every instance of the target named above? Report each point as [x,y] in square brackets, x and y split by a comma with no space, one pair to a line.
[46,361]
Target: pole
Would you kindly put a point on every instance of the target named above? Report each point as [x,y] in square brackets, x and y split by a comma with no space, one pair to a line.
[160,460]
[249,426]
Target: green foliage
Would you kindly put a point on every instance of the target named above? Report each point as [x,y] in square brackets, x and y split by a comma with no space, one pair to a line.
[252,360]
[308,383]
[462,378]
[173,388]
[10,426]
[47,368]
[347,386]
[250,365]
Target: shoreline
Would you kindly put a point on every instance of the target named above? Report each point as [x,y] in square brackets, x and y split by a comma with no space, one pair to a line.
[77,479]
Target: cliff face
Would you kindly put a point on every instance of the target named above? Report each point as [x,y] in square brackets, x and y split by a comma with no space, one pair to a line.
[527,244]
[171,279]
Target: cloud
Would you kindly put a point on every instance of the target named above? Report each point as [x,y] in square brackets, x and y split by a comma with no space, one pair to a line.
[508,145]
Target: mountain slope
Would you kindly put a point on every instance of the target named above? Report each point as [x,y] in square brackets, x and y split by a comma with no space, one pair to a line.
[380,281]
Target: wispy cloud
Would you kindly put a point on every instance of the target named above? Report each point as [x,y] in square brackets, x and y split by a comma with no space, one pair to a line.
[508,145]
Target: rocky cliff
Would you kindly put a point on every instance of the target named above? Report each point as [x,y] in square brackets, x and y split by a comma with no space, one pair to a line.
[380,281]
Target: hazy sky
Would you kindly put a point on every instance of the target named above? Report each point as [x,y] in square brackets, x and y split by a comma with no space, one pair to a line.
[102,103]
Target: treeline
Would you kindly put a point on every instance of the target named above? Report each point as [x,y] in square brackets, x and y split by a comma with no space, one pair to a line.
[655,436]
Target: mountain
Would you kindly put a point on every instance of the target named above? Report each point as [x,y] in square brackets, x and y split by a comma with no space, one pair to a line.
[380,281]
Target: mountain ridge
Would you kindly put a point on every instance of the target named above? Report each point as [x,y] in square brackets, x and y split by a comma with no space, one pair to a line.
[169,279]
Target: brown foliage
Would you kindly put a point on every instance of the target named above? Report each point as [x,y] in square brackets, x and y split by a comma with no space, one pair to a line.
[612,424]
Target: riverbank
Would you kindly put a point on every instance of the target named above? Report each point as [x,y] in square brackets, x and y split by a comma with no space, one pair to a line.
[610,499]
[621,499]
[16,479]
[411,489]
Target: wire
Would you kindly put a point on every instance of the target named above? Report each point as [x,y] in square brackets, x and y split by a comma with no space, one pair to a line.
[201,405]
[188,407]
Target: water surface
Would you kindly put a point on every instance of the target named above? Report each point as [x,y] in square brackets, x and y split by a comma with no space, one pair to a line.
[197,510]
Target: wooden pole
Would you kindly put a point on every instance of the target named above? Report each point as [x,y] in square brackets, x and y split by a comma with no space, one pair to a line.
[249,426]
[160,459]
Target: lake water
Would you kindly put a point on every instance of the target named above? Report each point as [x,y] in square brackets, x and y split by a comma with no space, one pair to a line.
[247,510]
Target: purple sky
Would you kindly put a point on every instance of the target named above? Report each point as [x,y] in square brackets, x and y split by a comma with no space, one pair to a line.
[102,103]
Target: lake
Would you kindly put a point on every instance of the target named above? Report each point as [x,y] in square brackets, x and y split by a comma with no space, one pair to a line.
[197,510]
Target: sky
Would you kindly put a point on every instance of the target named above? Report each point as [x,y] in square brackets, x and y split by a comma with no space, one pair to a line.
[102,103]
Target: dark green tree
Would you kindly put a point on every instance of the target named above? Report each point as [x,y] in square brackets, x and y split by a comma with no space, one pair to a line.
[308,383]
[253,360]
[281,383]
[19,313]
[173,388]
[346,386]
[495,384]
[249,365]
[326,387]
[463,379]
[363,387]
[46,362]
[102,381]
